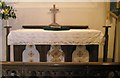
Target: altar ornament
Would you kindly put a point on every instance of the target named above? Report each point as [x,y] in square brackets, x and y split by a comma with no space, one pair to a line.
[6,12]
[55,54]
[106,36]
[30,54]
[54,25]
[54,11]
[80,54]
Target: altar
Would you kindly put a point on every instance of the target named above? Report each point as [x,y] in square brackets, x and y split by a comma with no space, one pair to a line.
[55,44]
[43,39]
[47,37]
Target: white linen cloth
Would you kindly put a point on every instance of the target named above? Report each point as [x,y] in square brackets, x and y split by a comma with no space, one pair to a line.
[65,37]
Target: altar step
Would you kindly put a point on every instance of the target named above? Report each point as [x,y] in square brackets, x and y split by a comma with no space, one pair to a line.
[101,59]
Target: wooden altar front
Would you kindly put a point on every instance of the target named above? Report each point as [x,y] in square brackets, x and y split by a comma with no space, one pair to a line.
[67,49]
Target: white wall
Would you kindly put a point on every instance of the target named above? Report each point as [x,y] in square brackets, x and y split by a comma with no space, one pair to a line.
[0,47]
[92,14]
[0,40]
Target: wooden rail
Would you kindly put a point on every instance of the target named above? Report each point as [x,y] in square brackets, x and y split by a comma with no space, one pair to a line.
[61,70]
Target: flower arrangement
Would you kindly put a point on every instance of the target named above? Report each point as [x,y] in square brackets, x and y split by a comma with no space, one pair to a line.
[115,8]
[6,11]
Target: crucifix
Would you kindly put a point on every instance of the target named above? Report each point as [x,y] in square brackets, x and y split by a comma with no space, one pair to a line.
[54,11]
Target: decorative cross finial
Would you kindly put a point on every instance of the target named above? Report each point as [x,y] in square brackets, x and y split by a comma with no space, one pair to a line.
[54,10]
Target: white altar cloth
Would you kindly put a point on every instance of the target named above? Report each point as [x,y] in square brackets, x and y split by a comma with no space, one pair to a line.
[65,37]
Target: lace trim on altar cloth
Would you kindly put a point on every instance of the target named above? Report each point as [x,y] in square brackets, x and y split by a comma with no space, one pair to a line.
[69,37]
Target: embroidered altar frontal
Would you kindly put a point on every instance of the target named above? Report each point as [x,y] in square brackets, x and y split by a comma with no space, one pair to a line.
[65,37]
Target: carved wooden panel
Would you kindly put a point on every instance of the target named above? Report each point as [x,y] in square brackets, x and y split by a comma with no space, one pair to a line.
[64,70]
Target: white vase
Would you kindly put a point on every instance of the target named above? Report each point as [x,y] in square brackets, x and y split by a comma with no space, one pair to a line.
[80,54]
[55,54]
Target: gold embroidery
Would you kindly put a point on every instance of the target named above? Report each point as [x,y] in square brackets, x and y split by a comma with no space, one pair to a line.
[31,54]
